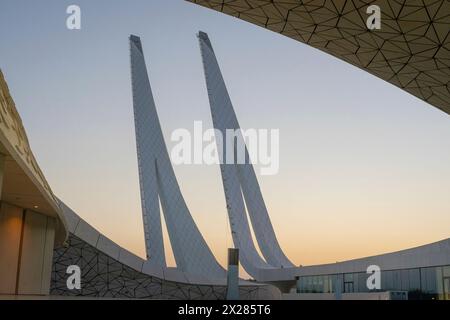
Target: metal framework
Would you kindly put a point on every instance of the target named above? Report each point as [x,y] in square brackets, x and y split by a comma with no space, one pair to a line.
[103,276]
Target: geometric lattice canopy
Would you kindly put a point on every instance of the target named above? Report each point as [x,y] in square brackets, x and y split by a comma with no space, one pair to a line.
[411,50]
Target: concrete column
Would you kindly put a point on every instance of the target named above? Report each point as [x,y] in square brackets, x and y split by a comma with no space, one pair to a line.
[26,251]
[233,274]
[10,236]
[36,254]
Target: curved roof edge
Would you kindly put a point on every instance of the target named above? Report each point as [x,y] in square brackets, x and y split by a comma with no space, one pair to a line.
[433,254]
[83,230]
[428,255]
[24,184]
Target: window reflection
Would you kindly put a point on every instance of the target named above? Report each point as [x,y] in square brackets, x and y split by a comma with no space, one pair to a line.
[420,283]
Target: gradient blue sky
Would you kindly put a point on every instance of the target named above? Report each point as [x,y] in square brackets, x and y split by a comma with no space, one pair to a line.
[364,166]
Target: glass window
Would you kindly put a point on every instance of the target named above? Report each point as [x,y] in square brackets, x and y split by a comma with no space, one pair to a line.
[387,280]
[348,277]
[355,282]
[404,279]
[348,287]
[336,282]
[446,295]
[423,280]
[439,282]
[301,282]
[421,283]
[315,283]
[348,282]
[414,280]
[320,284]
[362,282]
[326,287]
[429,280]
[308,284]
[396,280]
[446,271]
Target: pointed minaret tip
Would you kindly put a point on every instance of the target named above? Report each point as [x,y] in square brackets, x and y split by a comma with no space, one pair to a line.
[203,36]
[136,41]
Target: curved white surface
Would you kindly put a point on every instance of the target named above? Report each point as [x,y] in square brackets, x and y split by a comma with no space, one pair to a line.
[429,255]
[240,185]
[159,184]
[92,236]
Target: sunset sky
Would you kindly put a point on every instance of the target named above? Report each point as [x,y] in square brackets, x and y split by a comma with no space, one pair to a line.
[364,166]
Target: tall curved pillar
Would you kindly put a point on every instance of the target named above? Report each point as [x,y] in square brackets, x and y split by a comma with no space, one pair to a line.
[241,187]
[159,184]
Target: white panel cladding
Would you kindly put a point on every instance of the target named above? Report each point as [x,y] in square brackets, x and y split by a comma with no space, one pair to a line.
[152,269]
[86,232]
[71,217]
[158,184]
[199,279]
[130,259]
[108,246]
[240,179]
[175,275]
[148,144]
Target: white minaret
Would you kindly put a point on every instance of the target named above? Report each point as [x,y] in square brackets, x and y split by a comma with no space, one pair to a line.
[242,192]
[158,184]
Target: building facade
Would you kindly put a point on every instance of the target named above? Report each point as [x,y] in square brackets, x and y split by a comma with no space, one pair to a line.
[31,222]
